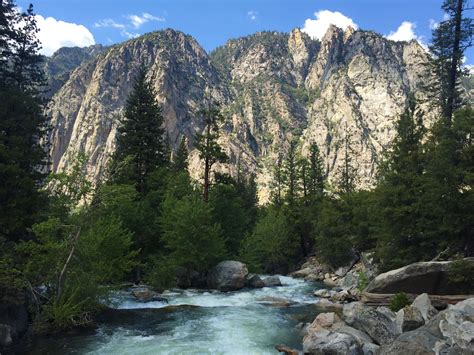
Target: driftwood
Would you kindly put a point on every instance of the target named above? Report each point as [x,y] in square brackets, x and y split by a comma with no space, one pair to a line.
[286,349]
[438,301]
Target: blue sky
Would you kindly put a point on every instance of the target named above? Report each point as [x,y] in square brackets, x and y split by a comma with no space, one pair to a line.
[213,22]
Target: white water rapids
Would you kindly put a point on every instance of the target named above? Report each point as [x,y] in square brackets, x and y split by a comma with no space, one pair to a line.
[250,321]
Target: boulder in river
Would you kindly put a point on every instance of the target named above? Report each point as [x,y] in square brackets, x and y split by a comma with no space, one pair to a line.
[430,277]
[272,281]
[254,281]
[227,276]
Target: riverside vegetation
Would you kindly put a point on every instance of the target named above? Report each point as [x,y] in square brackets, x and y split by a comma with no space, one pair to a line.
[65,243]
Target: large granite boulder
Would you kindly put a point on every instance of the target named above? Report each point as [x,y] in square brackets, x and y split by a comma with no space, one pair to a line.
[328,334]
[227,276]
[381,328]
[326,342]
[449,332]
[430,277]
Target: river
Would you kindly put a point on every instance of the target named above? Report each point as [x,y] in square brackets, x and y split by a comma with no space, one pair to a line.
[250,321]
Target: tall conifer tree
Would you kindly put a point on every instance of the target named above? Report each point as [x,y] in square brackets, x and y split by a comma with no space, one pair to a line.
[141,147]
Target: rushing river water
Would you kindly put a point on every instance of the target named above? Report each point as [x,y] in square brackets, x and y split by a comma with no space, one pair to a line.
[197,322]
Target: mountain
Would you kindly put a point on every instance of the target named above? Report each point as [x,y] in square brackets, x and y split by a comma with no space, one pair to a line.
[274,88]
[59,66]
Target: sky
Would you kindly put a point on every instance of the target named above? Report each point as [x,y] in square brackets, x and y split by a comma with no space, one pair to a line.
[213,22]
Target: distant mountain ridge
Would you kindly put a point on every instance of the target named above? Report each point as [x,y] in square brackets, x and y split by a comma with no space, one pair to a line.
[274,88]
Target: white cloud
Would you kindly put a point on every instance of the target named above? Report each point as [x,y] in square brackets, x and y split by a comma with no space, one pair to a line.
[55,34]
[317,28]
[252,15]
[433,24]
[406,32]
[138,21]
[108,22]
[134,22]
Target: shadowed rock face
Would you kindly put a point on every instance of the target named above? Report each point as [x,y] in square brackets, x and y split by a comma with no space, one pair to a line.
[274,87]
[423,277]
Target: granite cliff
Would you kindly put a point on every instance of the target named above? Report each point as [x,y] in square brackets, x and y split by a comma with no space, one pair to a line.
[273,87]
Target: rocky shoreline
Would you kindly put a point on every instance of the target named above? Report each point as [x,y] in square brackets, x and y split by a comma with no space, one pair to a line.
[349,326]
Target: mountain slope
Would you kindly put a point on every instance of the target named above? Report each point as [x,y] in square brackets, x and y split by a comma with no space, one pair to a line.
[274,88]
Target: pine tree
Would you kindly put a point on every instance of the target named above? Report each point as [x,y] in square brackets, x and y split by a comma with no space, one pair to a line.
[209,149]
[347,172]
[25,59]
[22,125]
[400,193]
[277,184]
[7,36]
[316,172]
[140,140]
[450,39]
[181,158]
[292,175]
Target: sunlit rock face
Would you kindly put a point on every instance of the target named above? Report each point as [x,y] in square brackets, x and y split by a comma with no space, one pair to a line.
[273,88]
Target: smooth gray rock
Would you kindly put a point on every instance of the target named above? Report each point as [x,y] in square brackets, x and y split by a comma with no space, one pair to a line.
[227,276]
[272,281]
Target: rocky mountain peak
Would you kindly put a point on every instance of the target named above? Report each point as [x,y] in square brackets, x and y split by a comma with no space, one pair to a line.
[274,87]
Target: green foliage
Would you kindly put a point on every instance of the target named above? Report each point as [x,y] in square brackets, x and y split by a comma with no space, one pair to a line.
[68,190]
[207,143]
[191,238]
[333,243]
[229,212]
[104,251]
[270,247]
[400,193]
[461,275]
[21,123]
[398,301]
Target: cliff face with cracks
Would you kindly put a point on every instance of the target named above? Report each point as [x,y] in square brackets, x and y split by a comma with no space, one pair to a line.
[273,87]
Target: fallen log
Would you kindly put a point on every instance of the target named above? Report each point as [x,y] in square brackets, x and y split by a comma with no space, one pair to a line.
[438,301]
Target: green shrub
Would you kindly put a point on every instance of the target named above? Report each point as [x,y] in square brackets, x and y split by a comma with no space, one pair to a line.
[398,301]
[461,275]
[363,281]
